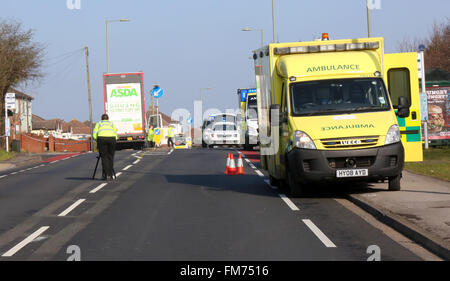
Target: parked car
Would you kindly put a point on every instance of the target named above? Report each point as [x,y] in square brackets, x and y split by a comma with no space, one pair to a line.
[224,133]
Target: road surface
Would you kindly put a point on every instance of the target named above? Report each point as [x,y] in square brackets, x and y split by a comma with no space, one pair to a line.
[176,205]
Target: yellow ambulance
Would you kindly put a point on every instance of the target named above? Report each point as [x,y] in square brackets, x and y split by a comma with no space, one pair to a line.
[336,111]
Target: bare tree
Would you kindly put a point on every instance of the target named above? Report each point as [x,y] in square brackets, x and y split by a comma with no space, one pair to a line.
[437,51]
[409,45]
[20,62]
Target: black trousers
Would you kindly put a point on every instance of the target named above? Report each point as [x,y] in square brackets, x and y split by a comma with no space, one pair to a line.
[170,142]
[107,148]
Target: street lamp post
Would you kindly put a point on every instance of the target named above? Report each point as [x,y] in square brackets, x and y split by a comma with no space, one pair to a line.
[107,46]
[262,33]
[368,19]
[273,20]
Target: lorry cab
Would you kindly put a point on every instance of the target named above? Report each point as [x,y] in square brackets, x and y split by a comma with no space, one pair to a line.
[346,112]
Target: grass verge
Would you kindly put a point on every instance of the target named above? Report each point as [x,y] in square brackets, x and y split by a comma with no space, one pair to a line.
[6,155]
[436,163]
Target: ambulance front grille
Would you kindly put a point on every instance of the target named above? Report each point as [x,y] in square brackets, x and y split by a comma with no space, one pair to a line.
[351,142]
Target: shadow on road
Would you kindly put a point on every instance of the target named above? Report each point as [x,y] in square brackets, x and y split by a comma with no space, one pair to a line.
[335,190]
[238,183]
[82,178]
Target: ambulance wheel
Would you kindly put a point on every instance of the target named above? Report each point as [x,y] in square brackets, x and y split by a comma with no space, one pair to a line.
[394,183]
[296,188]
[273,181]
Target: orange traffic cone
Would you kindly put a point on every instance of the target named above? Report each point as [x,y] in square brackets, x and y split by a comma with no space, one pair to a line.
[232,167]
[240,166]
[228,164]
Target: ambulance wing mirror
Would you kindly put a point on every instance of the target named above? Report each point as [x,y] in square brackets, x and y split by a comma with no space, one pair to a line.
[403,107]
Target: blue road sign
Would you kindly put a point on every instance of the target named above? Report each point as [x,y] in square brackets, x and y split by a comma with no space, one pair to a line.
[189,120]
[243,95]
[157,92]
[157,132]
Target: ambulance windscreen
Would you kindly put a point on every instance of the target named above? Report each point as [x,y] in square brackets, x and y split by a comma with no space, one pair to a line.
[338,96]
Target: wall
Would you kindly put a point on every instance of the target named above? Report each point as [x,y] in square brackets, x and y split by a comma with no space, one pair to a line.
[39,144]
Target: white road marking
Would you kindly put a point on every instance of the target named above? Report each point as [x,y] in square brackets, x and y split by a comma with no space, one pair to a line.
[252,166]
[73,206]
[170,151]
[28,169]
[271,186]
[289,202]
[54,161]
[25,242]
[137,161]
[3,176]
[327,242]
[248,161]
[13,173]
[127,167]
[21,171]
[118,174]
[98,188]
[42,165]
[259,173]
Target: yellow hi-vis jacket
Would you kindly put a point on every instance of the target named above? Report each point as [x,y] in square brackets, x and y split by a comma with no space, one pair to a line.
[104,128]
[170,132]
[151,135]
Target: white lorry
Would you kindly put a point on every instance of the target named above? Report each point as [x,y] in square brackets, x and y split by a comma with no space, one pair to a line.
[125,105]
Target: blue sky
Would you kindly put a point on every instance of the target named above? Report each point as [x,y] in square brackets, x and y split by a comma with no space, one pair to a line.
[188,45]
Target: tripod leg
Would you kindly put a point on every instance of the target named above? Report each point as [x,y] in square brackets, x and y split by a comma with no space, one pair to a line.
[96,165]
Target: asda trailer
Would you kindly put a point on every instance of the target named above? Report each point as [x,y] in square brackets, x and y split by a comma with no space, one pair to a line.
[125,106]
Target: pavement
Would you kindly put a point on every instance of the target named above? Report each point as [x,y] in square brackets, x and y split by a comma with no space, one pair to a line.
[420,210]
[179,205]
[27,159]
[20,160]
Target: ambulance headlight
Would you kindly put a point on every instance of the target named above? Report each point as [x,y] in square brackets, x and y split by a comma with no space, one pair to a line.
[302,140]
[393,135]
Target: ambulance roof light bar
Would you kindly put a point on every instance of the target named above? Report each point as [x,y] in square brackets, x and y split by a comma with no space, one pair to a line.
[327,48]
